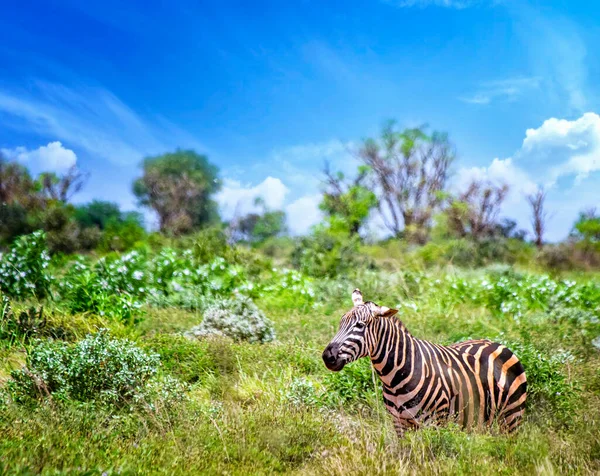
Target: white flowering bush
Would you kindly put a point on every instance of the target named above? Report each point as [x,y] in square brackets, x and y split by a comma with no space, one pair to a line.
[24,269]
[510,296]
[301,391]
[85,288]
[238,319]
[97,369]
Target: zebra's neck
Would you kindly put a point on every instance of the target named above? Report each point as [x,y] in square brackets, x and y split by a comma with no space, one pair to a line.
[391,348]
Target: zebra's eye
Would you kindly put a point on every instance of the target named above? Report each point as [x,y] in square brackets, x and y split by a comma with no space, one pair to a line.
[360,325]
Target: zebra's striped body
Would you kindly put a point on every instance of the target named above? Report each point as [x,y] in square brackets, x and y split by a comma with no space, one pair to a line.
[472,383]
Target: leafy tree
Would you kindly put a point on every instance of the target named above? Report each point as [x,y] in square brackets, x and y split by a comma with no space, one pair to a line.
[587,227]
[18,197]
[179,187]
[16,185]
[409,171]
[258,227]
[97,213]
[348,201]
[123,233]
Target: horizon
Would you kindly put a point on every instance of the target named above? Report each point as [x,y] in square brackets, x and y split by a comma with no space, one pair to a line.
[271,91]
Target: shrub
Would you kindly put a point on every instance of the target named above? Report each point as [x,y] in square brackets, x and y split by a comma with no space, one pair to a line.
[353,384]
[327,253]
[24,269]
[238,319]
[116,286]
[21,326]
[547,383]
[557,257]
[97,369]
[210,243]
[301,391]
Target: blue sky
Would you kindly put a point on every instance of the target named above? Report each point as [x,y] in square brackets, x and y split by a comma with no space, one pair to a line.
[269,89]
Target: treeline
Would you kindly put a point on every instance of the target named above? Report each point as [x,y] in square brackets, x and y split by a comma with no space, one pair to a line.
[403,181]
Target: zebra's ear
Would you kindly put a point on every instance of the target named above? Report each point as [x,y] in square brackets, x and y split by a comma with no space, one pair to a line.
[386,311]
[357,297]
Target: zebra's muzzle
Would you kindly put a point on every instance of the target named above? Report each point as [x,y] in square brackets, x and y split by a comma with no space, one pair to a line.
[332,358]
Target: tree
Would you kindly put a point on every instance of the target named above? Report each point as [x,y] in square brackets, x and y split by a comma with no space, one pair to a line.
[258,227]
[16,185]
[474,213]
[123,233]
[62,188]
[539,216]
[409,172]
[18,197]
[97,213]
[349,201]
[587,227]
[179,187]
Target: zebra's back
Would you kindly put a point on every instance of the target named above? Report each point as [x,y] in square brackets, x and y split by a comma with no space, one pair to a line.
[496,385]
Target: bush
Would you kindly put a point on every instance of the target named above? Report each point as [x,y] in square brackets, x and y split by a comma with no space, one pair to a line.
[468,253]
[354,384]
[326,253]
[548,384]
[301,391]
[97,369]
[108,289]
[557,257]
[238,319]
[21,326]
[24,269]
[210,243]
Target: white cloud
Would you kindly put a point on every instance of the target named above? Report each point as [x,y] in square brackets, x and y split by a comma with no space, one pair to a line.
[499,172]
[238,199]
[507,89]
[560,155]
[92,119]
[303,213]
[53,157]
[564,148]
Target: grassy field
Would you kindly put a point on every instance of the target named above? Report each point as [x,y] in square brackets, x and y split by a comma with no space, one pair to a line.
[260,408]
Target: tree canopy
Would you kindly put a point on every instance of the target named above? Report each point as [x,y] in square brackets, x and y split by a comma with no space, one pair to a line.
[179,187]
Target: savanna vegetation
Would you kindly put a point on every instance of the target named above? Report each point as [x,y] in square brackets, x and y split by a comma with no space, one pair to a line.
[196,349]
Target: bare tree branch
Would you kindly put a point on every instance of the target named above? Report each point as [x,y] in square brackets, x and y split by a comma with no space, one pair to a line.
[539,216]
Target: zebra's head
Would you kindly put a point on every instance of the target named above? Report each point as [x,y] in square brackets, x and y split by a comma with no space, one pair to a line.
[352,340]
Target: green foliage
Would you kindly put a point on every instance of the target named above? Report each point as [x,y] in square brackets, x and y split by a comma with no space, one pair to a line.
[189,360]
[97,214]
[18,327]
[62,233]
[24,269]
[123,234]
[328,252]
[348,203]
[548,384]
[210,243]
[587,227]
[179,186]
[97,369]
[354,384]
[301,391]
[238,319]
[113,287]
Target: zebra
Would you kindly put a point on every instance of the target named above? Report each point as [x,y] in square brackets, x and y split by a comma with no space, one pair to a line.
[472,383]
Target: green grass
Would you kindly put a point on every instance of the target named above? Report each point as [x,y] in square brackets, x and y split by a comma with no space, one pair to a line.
[274,408]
